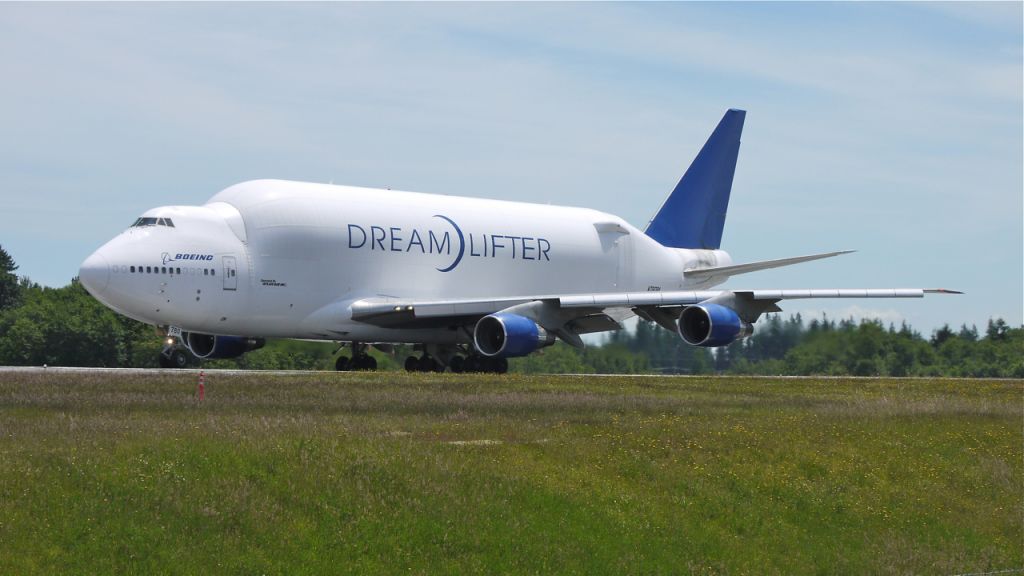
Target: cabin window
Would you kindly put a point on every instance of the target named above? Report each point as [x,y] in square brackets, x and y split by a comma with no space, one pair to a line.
[177,271]
[149,270]
[206,271]
[133,269]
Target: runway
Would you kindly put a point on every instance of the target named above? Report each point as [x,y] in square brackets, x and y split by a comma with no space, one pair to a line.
[230,372]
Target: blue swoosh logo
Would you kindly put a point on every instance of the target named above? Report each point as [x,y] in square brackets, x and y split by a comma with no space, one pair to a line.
[462,244]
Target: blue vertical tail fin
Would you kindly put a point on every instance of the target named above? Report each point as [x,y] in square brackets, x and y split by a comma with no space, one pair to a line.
[693,215]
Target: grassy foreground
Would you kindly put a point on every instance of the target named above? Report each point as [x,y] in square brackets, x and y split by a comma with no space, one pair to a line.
[422,473]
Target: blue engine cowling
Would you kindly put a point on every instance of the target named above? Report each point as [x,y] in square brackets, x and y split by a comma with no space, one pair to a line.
[505,335]
[208,346]
[712,325]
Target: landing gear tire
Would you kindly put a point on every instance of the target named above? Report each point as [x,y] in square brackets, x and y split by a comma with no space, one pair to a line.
[364,362]
[485,364]
[429,364]
[457,364]
[412,364]
[342,364]
[496,365]
[425,363]
[178,359]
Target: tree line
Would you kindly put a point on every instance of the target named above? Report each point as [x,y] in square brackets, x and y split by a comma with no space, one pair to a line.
[791,346]
[68,327]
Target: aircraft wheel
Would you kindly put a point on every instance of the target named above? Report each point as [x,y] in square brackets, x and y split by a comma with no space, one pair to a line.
[412,364]
[342,364]
[486,365]
[364,362]
[457,364]
[178,359]
[500,365]
[474,363]
[427,364]
[491,365]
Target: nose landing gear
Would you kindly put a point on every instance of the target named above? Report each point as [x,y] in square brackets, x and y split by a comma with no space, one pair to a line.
[173,355]
[174,359]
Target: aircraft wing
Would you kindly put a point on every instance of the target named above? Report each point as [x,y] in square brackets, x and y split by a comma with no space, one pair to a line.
[585,313]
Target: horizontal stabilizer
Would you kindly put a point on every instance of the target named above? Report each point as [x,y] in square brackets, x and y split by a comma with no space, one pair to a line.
[755,266]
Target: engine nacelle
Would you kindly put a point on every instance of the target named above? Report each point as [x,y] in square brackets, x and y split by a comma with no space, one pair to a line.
[505,335]
[211,347]
[712,325]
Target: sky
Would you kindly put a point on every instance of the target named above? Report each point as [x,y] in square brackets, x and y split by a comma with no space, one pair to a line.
[894,129]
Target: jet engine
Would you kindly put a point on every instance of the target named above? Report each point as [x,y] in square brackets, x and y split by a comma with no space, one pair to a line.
[505,335]
[712,325]
[212,347]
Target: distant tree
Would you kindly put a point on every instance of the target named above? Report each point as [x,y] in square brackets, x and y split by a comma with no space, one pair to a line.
[615,359]
[62,327]
[558,359]
[997,329]
[941,335]
[10,288]
[968,334]
[667,353]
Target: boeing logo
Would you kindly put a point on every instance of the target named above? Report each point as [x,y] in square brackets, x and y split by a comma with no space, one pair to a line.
[166,257]
[453,243]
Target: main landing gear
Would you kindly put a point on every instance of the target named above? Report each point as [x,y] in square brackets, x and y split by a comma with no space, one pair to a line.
[360,361]
[434,358]
[457,364]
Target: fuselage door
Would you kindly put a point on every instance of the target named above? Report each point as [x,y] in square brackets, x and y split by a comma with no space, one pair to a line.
[230,273]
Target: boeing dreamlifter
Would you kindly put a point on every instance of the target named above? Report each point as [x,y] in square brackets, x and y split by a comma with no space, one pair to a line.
[470,281]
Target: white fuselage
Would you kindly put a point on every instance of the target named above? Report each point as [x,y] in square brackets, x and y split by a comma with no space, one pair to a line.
[287,259]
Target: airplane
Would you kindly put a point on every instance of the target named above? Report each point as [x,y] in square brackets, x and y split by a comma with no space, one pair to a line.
[470,282]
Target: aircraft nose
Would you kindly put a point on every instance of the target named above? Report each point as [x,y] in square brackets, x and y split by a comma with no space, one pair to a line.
[94,273]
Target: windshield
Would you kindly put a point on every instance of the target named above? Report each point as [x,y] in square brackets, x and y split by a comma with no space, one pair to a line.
[146,221]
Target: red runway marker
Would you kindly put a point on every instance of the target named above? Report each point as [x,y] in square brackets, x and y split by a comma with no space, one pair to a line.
[202,385]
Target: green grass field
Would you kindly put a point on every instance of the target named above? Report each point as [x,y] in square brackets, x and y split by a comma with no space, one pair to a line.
[423,473]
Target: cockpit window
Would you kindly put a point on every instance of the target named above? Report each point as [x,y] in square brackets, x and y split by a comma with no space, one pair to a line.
[153,222]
